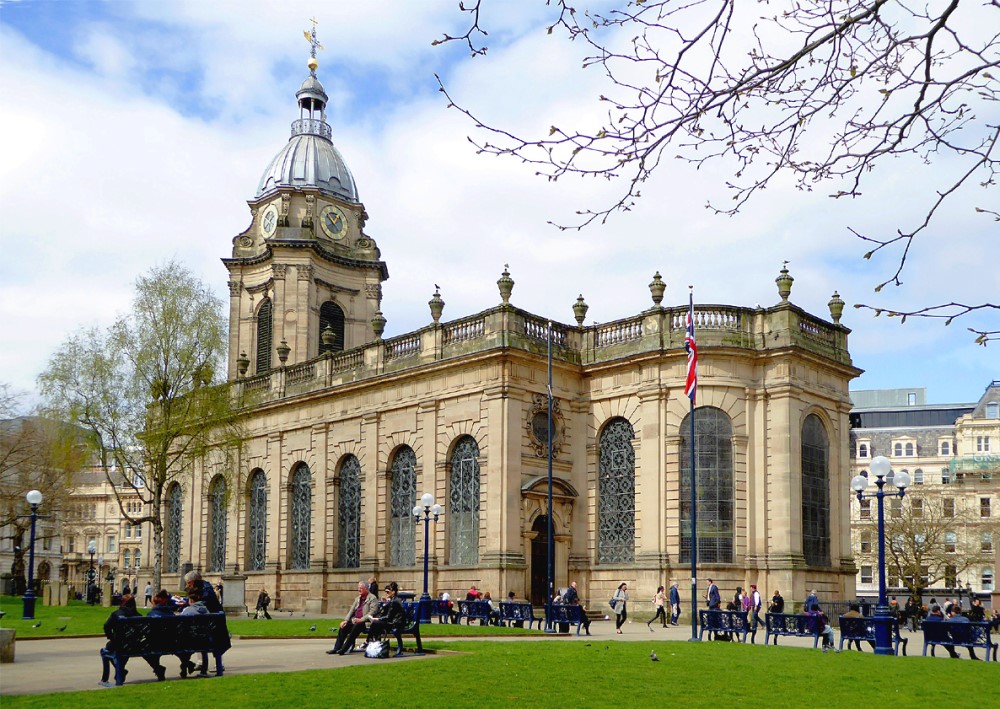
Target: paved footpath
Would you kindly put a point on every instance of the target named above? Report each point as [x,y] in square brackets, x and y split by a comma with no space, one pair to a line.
[71,664]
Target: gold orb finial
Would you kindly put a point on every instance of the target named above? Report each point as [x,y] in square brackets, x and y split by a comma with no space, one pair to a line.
[312,64]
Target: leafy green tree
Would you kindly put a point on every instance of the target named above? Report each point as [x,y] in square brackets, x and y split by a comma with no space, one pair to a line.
[145,389]
[819,92]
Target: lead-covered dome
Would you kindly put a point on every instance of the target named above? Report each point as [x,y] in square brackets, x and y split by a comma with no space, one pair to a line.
[309,159]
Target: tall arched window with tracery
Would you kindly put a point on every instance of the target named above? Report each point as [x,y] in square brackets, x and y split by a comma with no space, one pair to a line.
[257,522]
[217,524]
[301,514]
[331,315]
[815,492]
[172,564]
[714,485]
[403,497]
[349,519]
[463,503]
[616,494]
[264,337]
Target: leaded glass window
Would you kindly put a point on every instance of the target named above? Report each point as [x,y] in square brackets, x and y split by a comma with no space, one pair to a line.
[463,503]
[257,522]
[331,314]
[815,492]
[714,486]
[174,517]
[616,494]
[403,498]
[217,525]
[349,520]
[264,337]
[301,514]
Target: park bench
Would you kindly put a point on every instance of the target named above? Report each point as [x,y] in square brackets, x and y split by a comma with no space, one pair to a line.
[569,614]
[143,636]
[718,621]
[970,635]
[860,630]
[411,627]
[474,610]
[514,612]
[797,625]
[442,610]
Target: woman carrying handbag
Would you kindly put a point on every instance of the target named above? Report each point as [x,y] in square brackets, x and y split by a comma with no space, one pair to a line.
[621,612]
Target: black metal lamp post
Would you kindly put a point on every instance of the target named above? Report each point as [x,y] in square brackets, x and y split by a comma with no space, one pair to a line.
[34,499]
[91,549]
[425,510]
[880,468]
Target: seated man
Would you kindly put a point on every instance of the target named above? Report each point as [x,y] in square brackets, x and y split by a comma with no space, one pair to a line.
[196,606]
[127,609]
[572,598]
[390,619]
[957,617]
[855,612]
[363,610]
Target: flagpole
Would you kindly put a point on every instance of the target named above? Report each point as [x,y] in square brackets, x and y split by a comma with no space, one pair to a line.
[691,392]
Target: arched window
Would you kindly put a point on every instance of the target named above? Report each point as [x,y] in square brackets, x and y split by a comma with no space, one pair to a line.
[910,450]
[301,514]
[136,559]
[402,542]
[616,494]
[174,517]
[331,314]
[349,520]
[714,486]
[217,524]
[44,571]
[264,337]
[128,558]
[463,503]
[257,522]
[815,492]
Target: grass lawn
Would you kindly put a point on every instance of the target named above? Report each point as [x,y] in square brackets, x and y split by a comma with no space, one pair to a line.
[583,673]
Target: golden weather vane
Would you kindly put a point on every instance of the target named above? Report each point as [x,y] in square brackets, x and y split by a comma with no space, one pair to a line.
[314,45]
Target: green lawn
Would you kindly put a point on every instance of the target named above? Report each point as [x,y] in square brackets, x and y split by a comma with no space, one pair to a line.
[584,674]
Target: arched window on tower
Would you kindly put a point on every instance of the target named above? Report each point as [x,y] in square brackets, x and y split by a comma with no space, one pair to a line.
[616,494]
[301,514]
[403,497]
[217,524]
[331,315]
[174,518]
[715,486]
[815,492]
[264,339]
[463,503]
[349,518]
[257,521]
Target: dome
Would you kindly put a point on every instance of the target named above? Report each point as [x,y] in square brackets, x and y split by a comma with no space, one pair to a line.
[312,88]
[309,160]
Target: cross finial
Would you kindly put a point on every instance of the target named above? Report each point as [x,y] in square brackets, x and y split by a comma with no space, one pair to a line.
[311,38]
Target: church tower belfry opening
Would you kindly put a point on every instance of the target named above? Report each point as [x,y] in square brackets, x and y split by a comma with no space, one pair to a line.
[304,277]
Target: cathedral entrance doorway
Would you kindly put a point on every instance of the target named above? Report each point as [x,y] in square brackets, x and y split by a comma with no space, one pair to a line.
[539,560]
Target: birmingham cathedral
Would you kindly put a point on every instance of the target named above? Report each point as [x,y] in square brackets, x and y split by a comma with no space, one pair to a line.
[348,430]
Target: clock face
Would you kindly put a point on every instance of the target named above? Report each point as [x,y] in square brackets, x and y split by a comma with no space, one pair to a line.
[269,222]
[334,222]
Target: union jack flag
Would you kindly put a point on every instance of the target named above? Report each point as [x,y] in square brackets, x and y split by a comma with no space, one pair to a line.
[691,382]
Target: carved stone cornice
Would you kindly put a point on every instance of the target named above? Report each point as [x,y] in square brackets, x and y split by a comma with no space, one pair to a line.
[261,287]
[335,288]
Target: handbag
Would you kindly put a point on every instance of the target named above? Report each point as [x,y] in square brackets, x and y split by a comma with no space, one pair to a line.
[612,603]
[378,649]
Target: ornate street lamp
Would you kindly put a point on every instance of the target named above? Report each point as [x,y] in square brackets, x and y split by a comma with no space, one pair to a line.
[34,499]
[425,510]
[881,468]
[91,549]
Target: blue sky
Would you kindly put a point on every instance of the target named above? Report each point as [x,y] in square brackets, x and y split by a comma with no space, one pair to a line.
[134,132]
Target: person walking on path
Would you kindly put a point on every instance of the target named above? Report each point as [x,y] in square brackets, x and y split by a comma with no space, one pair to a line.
[148,593]
[713,597]
[675,604]
[621,611]
[263,601]
[658,600]
[756,602]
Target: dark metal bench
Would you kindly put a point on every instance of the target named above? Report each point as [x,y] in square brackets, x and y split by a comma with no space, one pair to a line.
[860,630]
[717,621]
[143,636]
[513,612]
[474,610]
[412,626]
[950,634]
[571,614]
[442,610]
[795,625]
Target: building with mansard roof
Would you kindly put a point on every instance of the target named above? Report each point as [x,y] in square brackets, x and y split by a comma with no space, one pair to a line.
[348,429]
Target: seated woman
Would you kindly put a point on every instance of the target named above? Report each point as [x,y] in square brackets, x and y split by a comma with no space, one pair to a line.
[494,609]
[127,609]
[390,619]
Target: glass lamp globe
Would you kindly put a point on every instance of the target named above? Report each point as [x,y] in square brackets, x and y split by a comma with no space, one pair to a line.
[436,510]
[859,483]
[901,480]
[34,498]
[427,499]
[91,548]
[880,466]
[417,510]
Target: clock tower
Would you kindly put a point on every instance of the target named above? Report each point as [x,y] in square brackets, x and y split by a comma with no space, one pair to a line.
[304,275]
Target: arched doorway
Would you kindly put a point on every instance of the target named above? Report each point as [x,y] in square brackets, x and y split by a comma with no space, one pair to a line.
[539,560]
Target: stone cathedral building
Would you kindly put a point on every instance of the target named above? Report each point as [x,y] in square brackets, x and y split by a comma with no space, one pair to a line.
[348,429]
